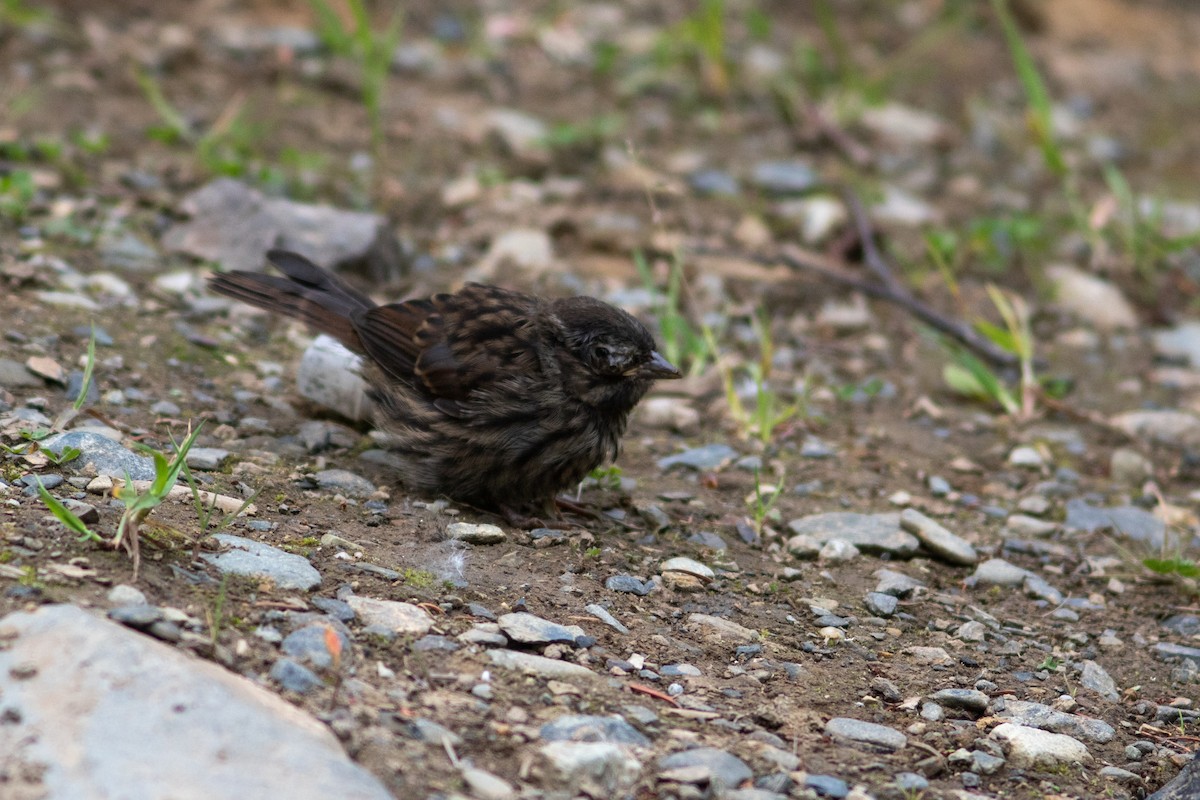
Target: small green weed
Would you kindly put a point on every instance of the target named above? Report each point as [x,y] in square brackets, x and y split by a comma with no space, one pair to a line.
[762,501]
[17,193]
[969,376]
[370,47]
[607,477]
[691,347]
[769,410]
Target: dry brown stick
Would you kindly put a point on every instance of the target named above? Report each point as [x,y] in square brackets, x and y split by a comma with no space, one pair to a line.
[837,272]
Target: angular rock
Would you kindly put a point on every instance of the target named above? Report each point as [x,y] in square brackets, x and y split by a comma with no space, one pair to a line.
[1031,748]
[257,560]
[937,539]
[870,533]
[184,723]
[234,225]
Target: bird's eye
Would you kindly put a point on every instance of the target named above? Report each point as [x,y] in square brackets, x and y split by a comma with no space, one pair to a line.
[601,353]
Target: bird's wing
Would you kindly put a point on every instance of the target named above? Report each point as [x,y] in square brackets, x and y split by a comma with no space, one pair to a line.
[451,345]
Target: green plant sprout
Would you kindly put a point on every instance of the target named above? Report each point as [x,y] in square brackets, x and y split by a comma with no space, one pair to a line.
[769,410]
[1040,112]
[969,376]
[370,48]
[204,510]
[137,506]
[762,502]
[692,348]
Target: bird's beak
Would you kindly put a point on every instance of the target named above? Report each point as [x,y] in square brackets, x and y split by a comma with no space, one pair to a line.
[658,368]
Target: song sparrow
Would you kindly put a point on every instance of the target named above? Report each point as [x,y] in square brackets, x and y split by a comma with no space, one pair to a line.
[497,398]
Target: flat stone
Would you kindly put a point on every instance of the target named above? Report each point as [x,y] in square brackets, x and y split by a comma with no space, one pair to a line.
[588,728]
[184,722]
[206,458]
[688,565]
[1039,715]
[722,629]
[938,539]
[404,619]
[870,533]
[1031,748]
[1162,426]
[710,765]
[1094,677]
[878,738]
[1091,299]
[483,533]
[106,456]
[540,666]
[257,560]
[344,482]
[525,628]
[233,225]
[594,769]
[701,459]
[998,572]
[1128,521]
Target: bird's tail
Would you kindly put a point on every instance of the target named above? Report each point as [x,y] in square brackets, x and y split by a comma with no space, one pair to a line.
[308,293]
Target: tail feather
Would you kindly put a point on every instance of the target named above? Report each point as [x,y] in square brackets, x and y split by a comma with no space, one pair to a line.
[310,294]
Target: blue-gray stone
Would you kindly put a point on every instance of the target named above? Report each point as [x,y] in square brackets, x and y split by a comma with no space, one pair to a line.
[709,456]
[723,768]
[257,560]
[714,182]
[108,457]
[629,584]
[295,677]
[310,646]
[784,177]
[586,728]
[1131,522]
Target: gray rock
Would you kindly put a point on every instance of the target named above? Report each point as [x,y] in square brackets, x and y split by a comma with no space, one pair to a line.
[1091,299]
[970,700]
[257,560]
[722,630]
[344,482]
[878,738]
[1165,426]
[593,769]
[165,408]
[628,584]
[708,457]
[784,177]
[709,765]
[714,182]
[880,604]
[429,731]
[1039,715]
[541,666]
[1171,652]
[1129,467]
[1180,342]
[483,533]
[404,619]
[206,458]
[1129,521]
[233,225]
[585,728]
[106,456]
[123,250]
[937,539]
[486,786]
[602,614]
[525,628]
[1094,677]
[310,645]
[998,572]
[897,584]
[871,533]
[523,134]
[294,676]
[211,732]
[13,375]
[125,595]
[1031,748]
[328,375]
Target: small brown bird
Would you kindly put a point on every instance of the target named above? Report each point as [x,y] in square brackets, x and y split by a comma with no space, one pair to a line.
[497,398]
